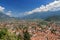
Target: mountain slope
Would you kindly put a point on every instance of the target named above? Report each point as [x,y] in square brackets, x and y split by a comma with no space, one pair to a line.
[4,17]
[53,18]
[41,15]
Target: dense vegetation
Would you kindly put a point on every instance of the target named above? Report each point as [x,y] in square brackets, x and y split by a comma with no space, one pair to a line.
[6,35]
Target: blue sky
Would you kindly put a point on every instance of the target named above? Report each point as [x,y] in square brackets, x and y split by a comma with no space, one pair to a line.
[20,6]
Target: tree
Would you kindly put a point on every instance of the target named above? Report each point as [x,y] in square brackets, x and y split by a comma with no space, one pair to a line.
[6,35]
[26,35]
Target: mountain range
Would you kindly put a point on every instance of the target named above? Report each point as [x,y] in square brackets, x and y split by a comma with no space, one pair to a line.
[4,17]
[48,16]
[43,15]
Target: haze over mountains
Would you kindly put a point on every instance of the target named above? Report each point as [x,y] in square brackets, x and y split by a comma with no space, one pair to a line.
[49,11]
[40,15]
[44,15]
[4,17]
[48,16]
[44,11]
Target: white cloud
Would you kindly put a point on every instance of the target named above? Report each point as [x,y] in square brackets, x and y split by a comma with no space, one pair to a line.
[9,13]
[53,6]
[1,9]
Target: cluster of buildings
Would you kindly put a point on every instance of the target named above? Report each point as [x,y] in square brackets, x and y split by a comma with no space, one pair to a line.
[36,31]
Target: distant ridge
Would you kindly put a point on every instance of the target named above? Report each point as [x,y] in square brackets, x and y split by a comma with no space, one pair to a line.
[42,15]
[4,17]
[53,18]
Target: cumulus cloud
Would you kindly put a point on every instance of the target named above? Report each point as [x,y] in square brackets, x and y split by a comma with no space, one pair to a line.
[9,13]
[53,6]
[1,9]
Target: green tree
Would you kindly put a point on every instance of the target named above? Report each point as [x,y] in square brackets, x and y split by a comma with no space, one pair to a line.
[5,35]
[26,35]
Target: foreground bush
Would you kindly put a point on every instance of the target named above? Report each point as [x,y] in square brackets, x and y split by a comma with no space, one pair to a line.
[5,35]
